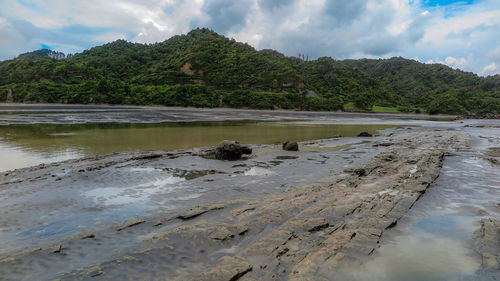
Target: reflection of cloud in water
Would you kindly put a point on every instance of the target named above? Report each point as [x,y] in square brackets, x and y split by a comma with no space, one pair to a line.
[420,256]
[14,157]
[257,171]
[130,194]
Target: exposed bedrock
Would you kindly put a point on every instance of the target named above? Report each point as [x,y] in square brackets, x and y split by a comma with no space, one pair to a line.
[487,239]
[304,233]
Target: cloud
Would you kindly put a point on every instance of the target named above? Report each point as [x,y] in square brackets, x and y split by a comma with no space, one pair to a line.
[490,69]
[339,13]
[455,62]
[272,5]
[461,34]
[224,15]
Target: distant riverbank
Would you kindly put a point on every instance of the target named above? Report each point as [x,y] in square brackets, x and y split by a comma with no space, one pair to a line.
[76,113]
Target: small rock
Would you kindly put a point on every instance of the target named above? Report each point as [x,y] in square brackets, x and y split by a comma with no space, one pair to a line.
[383,144]
[481,212]
[360,172]
[57,248]
[221,234]
[281,251]
[87,234]
[95,271]
[228,150]
[291,146]
[365,134]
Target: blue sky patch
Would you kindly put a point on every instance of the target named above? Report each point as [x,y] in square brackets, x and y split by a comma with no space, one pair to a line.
[29,4]
[44,46]
[442,3]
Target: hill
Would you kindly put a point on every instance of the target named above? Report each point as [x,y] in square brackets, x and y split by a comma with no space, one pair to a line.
[205,69]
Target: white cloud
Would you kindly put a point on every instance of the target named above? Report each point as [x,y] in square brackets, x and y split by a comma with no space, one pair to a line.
[467,38]
[490,69]
[109,37]
[455,62]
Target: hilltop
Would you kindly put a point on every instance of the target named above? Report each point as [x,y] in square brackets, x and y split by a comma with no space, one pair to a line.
[205,69]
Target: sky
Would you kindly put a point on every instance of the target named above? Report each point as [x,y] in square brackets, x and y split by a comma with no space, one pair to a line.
[462,34]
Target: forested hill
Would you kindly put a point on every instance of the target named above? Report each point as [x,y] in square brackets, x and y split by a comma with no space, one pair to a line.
[205,69]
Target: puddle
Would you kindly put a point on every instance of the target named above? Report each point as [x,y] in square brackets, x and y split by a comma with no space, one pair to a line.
[433,241]
[285,157]
[421,256]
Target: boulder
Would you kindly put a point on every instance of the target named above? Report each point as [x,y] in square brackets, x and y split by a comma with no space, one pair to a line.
[245,149]
[364,134]
[228,150]
[291,146]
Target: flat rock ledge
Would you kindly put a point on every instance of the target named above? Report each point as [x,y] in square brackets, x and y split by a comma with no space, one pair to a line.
[488,239]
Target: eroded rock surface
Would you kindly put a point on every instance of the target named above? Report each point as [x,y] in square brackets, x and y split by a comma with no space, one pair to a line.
[302,233]
[489,244]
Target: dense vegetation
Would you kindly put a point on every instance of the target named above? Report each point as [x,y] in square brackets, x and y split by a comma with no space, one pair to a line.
[204,69]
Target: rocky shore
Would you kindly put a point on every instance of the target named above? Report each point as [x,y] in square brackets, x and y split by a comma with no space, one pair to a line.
[306,232]
[479,116]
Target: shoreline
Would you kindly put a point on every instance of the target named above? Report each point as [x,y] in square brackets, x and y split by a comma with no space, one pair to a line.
[68,114]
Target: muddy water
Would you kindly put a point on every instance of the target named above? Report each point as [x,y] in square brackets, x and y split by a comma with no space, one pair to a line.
[433,242]
[27,145]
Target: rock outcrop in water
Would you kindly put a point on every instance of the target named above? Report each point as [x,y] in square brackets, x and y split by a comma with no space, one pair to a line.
[290,146]
[228,150]
[364,134]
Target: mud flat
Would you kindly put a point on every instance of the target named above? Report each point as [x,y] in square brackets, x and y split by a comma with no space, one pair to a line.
[71,114]
[273,216]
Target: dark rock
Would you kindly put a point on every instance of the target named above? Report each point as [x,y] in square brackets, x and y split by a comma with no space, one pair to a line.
[383,144]
[228,150]
[493,161]
[360,172]
[364,134]
[291,146]
[245,149]
[334,137]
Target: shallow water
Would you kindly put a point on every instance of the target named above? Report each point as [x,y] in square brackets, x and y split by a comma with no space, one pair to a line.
[27,145]
[433,241]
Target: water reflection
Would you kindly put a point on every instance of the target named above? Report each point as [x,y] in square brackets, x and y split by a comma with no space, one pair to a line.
[433,242]
[429,253]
